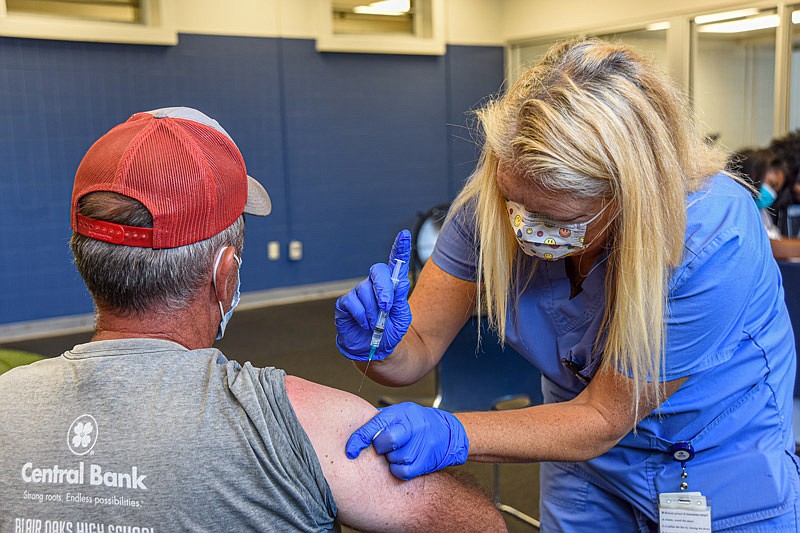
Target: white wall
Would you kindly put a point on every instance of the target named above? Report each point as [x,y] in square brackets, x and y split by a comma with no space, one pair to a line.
[476,22]
[260,18]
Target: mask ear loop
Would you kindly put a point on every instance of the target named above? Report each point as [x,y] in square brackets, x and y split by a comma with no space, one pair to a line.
[597,215]
[608,225]
[214,279]
[214,275]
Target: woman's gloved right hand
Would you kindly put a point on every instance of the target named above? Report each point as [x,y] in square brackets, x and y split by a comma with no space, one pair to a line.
[357,311]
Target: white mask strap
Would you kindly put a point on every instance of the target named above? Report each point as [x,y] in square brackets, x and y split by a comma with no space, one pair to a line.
[214,275]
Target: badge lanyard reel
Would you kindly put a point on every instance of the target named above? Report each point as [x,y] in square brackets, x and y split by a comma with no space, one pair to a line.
[683,512]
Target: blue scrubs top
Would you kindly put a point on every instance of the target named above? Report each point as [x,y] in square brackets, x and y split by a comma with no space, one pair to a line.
[727,328]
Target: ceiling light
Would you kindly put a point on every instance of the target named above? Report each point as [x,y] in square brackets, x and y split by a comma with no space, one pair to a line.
[739,26]
[727,15]
[385,7]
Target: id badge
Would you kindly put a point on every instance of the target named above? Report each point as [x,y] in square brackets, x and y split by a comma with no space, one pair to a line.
[683,512]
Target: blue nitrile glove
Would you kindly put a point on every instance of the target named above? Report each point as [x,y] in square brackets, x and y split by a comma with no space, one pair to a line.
[416,440]
[357,311]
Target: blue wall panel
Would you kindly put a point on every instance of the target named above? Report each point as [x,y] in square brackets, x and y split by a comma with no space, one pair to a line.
[350,146]
[368,148]
[474,75]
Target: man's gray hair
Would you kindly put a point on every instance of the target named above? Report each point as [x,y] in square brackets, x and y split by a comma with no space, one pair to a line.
[129,280]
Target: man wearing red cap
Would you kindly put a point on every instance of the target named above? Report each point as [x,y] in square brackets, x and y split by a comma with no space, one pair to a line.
[147,427]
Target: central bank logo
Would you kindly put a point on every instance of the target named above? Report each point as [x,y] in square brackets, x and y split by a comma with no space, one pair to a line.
[82,435]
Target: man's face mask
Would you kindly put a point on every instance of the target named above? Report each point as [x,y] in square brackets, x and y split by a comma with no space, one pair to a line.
[236,295]
[766,196]
[545,238]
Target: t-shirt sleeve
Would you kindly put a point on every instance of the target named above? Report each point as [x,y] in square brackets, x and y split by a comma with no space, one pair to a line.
[456,246]
[710,297]
[297,454]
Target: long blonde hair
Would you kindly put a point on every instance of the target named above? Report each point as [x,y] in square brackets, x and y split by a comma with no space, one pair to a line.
[596,120]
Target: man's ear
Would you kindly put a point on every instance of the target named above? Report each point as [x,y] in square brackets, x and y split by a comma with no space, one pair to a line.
[227,270]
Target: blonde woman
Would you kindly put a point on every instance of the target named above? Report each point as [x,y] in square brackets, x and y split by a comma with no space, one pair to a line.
[607,246]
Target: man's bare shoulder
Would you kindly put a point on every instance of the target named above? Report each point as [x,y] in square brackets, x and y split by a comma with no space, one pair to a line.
[309,398]
[368,497]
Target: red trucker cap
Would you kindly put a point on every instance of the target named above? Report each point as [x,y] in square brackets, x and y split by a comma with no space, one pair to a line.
[182,166]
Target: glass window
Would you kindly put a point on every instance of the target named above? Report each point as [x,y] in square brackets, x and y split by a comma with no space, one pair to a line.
[110,21]
[354,17]
[381,26]
[524,56]
[650,41]
[733,75]
[97,10]
[794,85]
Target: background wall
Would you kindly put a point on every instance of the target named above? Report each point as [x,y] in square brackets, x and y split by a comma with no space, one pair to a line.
[350,146]
[524,18]
[470,22]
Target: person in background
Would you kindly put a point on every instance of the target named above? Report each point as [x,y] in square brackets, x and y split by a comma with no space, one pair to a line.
[787,148]
[608,247]
[147,427]
[766,174]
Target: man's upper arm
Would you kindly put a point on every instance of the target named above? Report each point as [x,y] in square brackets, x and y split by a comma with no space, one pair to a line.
[367,495]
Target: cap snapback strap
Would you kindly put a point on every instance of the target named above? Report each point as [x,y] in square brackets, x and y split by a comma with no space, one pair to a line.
[102,230]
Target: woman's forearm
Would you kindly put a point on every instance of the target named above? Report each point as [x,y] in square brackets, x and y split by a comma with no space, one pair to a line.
[554,432]
[577,430]
[409,362]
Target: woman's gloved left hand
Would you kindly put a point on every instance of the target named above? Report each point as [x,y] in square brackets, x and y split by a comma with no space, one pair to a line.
[416,440]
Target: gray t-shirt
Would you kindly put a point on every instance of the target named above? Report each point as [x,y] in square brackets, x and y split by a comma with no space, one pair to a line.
[144,435]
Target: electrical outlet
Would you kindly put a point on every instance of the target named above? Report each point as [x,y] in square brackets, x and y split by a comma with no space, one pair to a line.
[273,250]
[295,250]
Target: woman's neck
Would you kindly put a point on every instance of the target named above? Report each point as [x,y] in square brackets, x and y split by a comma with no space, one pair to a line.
[578,268]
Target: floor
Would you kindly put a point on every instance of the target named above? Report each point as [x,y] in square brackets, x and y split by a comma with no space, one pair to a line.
[300,339]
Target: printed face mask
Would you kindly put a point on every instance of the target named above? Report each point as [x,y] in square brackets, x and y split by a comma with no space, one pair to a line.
[545,238]
[236,296]
[766,196]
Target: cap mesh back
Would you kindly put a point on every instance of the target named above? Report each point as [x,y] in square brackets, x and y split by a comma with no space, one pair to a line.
[190,177]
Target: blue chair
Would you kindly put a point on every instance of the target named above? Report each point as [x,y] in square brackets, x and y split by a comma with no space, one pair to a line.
[473,378]
[13,358]
[482,378]
[487,377]
[790,272]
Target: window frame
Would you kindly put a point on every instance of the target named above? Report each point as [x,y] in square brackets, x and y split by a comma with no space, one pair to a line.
[327,41]
[157,29]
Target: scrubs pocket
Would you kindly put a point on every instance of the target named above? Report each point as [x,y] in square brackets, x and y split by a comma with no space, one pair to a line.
[742,487]
[740,463]
[561,488]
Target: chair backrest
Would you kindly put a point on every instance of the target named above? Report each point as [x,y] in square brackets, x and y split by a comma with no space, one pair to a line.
[793,220]
[790,272]
[472,379]
[13,358]
[426,231]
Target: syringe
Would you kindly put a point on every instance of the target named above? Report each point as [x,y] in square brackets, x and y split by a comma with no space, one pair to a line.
[377,333]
